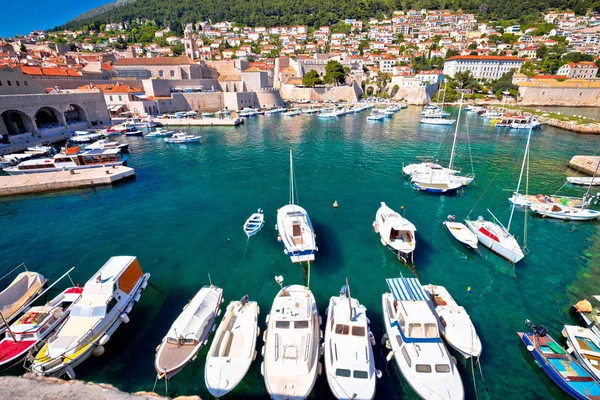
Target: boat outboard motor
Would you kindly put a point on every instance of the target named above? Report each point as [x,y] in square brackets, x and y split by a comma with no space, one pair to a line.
[539,330]
[244,300]
[451,218]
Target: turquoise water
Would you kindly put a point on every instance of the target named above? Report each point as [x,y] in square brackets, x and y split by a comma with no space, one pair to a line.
[183,215]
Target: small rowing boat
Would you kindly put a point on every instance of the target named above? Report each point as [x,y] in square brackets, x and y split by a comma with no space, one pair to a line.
[254,223]
[460,232]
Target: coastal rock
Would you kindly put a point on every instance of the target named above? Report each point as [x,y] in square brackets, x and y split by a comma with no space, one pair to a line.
[33,387]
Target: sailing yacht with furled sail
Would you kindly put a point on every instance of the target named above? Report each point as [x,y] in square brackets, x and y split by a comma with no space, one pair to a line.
[295,229]
[493,235]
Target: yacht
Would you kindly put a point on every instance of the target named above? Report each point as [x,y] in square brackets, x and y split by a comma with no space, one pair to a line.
[105,303]
[396,232]
[291,351]
[436,120]
[416,346]
[348,356]
[182,137]
[104,144]
[62,162]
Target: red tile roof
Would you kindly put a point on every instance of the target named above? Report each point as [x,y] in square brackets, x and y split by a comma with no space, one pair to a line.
[112,88]
[41,71]
[486,58]
[181,60]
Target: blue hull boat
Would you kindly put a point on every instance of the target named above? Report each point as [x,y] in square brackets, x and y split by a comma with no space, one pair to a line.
[559,365]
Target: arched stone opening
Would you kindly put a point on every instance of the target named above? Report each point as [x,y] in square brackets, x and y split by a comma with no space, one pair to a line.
[74,115]
[17,122]
[47,118]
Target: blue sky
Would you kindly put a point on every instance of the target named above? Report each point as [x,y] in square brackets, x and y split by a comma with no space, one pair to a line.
[21,17]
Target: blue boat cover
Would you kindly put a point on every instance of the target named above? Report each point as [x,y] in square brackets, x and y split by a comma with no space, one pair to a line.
[405,289]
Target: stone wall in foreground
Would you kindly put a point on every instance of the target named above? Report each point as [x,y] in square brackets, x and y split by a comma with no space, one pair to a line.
[559,96]
[31,387]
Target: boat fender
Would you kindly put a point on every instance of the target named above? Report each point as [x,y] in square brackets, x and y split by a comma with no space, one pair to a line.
[322,349]
[219,313]
[321,334]
[194,358]
[276,228]
[267,319]
[530,348]
[384,338]
[257,310]
[103,340]
[320,320]
[124,317]
[70,372]
[378,374]
[136,298]
[254,355]
[285,252]
[454,360]
[262,351]
[144,284]
[262,368]
[389,357]
[98,351]
[265,336]
[320,369]
[257,331]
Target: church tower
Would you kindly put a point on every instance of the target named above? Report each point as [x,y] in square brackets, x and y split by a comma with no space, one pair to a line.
[189,42]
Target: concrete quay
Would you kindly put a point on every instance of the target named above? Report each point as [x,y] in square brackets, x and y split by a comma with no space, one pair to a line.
[198,122]
[585,164]
[16,185]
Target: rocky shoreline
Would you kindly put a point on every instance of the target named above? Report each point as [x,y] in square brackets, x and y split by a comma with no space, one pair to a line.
[32,387]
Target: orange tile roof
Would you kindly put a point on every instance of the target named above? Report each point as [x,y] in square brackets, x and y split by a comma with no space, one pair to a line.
[181,60]
[41,71]
[112,88]
[486,58]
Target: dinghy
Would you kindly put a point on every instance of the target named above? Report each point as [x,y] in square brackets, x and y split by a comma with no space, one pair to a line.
[460,232]
[28,332]
[584,180]
[454,322]
[189,333]
[254,223]
[233,348]
[565,212]
[558,364]
[106,301]
[416,346]
[585,346]
[291,351]
[396,232]
[19,295]
[349,360]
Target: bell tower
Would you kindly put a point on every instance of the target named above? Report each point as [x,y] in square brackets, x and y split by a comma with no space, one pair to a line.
[188,42]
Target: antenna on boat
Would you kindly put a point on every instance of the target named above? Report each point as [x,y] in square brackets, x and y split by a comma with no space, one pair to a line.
[462,96]
[209,280]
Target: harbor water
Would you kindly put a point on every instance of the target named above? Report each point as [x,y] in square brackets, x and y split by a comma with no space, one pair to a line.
[183,215]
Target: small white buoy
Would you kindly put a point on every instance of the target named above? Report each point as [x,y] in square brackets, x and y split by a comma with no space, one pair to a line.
[98,351]
[125,318]
[530,348]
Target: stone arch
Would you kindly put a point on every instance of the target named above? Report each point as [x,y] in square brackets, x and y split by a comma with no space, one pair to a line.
[47,118]
[17,122]
[371,89]
[74,114]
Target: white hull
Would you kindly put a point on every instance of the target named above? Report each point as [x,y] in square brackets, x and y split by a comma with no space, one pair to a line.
[396,232]
[15,171]
[495,238]
[584,180]
[460,232]
[437,121]
[565,213]
[588,358]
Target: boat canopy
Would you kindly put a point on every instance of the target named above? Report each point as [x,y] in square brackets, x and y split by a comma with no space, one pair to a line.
[125,270]
[20,291]
[192,322]
[406,289]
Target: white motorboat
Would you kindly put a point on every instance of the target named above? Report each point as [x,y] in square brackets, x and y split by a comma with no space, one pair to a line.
[254,223]
[64,162]
[293,112]
[565,212]
[460,232]
[189,333]
[416,346]
[104,144]
[583,180]
[233,348]
[275,110]
[294,228]
[491,114]
[182,137]
[160,132]
[84,137]
[523,200]
[207,114]
[584,344]
[106,301]
[27,333]
[529,123]
[39,150]
[348,356]
[454,322]
[376,115]
[425,167]
[437,120]
[291,351]
[396,232]
[19,295]
[497,238]
[134,132]
[247,112]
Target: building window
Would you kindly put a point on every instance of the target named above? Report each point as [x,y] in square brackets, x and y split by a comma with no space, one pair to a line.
[9,83]
[161,73]
[120,98]
[110,98]
[18,83]
[172,73]
[0,83]
[24,83]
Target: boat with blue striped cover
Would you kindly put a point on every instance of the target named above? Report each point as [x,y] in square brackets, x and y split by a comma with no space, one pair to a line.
[558,364]
[415,342]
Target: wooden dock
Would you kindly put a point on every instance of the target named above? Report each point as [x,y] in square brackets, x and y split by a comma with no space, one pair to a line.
[198,122]
[52,181]
[585,164]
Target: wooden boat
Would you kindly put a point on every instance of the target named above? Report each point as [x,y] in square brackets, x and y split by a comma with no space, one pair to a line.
[233,347]
[105,303]
[415,342]
[460,232]
[35,325]
[584,344]
[454,322]
[254,223]
[291,351]
[189,333]
[348,355]
[559,365]
[583,180]
[19,295]
[395,232]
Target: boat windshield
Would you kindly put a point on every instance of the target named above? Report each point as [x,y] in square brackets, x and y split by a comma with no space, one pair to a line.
[416,330]
[88,311]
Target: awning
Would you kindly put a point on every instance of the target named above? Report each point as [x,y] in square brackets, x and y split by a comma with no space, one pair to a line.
[405,289]
[115,108]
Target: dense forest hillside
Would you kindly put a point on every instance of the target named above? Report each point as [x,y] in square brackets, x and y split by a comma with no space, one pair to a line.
[313,13]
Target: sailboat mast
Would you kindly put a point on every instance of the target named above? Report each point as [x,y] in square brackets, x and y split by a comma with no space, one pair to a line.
[512,211]
[462,96]
[349,297]
[444,96]
[590,186]
[291,179]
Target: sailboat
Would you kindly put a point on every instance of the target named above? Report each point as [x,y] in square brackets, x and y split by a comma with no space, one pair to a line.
[492,234]
[349,360]
[568,213]
[295,229]
[437,116]
[442,181]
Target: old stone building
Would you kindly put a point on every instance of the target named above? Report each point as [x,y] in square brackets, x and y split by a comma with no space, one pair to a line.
[182,67]
[545,92]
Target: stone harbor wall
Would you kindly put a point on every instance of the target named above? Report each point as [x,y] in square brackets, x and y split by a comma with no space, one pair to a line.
[31,387]
[351,93]
[416,95]
[559,96]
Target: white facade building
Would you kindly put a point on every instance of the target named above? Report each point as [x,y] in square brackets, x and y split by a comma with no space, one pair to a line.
[482,67]
[581,70]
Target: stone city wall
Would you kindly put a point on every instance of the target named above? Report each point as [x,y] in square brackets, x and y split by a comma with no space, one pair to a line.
[559,96]
[346,93]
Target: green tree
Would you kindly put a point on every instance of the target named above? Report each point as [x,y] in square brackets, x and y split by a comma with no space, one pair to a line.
[311,79]
[529,69]
[335,73]
[102,27]
[452,53]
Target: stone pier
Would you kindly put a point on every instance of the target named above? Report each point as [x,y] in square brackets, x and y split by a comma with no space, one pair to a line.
[585,164]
